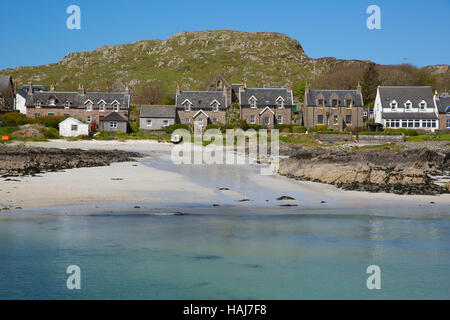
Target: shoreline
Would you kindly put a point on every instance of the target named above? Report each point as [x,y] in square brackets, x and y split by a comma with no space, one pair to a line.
[154,181]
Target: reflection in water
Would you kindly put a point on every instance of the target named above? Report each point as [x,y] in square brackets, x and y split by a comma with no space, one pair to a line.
[236,255]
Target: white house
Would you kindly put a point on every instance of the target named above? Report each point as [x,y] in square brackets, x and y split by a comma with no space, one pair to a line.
[21,96]
[406,107]
[72,127]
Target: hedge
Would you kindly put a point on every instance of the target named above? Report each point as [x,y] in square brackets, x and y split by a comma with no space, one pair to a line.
[170,129]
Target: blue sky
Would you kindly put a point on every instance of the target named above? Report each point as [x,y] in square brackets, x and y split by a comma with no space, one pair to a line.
[35,32]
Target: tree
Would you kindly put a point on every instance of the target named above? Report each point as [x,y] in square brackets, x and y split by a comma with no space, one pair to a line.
[168,101]
[370,82]
[298,90]
[150,93]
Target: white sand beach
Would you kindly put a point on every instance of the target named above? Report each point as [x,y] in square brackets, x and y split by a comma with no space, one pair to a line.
[155,180]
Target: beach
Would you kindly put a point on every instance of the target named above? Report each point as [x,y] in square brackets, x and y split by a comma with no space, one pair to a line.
[155,180]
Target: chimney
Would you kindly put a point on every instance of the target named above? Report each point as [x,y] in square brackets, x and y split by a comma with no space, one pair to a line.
[52,87]
[127,90]
[306,88]
[178,88]
[81,89]
[30,89]
[358,88]
[243,86]
[288,86]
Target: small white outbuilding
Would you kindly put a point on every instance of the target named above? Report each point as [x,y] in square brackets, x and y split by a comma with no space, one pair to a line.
[72,127]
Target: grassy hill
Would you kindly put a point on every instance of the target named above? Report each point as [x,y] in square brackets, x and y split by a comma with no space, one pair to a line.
[190,58]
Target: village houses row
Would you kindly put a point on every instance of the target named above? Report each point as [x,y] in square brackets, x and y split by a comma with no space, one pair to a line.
[394,107]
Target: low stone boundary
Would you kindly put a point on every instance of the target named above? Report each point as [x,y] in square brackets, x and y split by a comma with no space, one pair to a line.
[381,138]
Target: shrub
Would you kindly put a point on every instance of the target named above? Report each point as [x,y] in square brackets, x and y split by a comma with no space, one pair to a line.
[255,127]
[50,122]
[14,119]
[50,133]
[134,127]
[283,127]
[212,126]
[170,129]
[298,129]
[406,132]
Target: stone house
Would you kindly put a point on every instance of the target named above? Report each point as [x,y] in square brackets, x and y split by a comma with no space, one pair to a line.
[220,84]
[443,105]
[114,122]
[201,107]
[406,107]
[156,117]
[266,106]
[333,109]
[90,107]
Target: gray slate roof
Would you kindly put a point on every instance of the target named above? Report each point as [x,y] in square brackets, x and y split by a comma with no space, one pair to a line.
[443,103]
[36,87]
[403,94]
[114,116]
[409,115]
[311,98]
[158,112]
[78,100]
[266,96]
[202,99]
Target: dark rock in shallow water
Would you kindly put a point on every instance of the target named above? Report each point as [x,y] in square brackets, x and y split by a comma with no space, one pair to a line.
[223,189]
[282,198]
[212,257]
[243,200]
[288,205]
[216,205]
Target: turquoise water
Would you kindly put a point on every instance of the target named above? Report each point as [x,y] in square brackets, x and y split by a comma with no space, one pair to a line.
[232,254]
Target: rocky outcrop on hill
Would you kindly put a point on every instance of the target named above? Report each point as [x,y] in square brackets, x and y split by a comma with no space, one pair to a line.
[21,161]
[385,170]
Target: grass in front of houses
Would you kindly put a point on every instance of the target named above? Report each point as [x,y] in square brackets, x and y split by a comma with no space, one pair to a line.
[439,136]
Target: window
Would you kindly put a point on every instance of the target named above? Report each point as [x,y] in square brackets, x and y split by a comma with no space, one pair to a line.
[187,106]
[74,127]
[113,124]
[448,123]
[320,119]
[115,108]
[404,123]
[320,102]
[200,122]
[215,107]
[348,119]
[423,105]
[186,120]
[253,103]
[280,104]
[51,114]
[37,104]
[66,105]
[165,123]
[408,106]
[410,123]
[214,120]
[433,123]
[335,119]
[348,103]
[149,123]
[394,105]
[416,123]
[448,113]
[89,107]
[280,119]
[51,102]
[252,119]
[88,118]
[37,115]
[102,107]
[334,103]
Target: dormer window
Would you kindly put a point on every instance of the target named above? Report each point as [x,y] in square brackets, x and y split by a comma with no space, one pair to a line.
[423,105]
[186,105]
[66,104]
[101,107]
[37,104]
[215,106]
[89,106]
[51,102]
[280,103]
[334,103]
[394,105]
[115,108]
[348,103]
[408,105]
[320,102]
[252,102]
